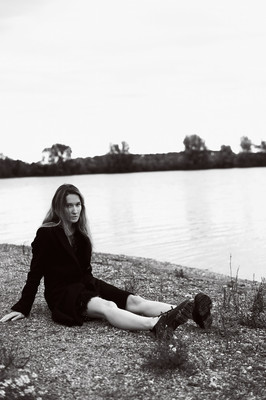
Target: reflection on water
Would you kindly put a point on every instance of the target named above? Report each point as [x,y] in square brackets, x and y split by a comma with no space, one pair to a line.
[192,218]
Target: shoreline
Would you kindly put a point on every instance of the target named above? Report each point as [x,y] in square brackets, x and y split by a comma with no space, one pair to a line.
[157,264]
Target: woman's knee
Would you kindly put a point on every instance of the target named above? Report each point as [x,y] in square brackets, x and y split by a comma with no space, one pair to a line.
[135,303]
[98,307]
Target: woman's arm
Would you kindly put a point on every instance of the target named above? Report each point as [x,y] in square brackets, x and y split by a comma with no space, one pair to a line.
[24,305]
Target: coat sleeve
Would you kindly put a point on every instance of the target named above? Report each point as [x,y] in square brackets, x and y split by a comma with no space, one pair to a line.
[35,274]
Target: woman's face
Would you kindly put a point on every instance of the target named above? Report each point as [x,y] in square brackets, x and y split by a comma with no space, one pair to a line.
[72,208]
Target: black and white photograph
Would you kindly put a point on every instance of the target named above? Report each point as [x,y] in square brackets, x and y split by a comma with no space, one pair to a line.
[132,199]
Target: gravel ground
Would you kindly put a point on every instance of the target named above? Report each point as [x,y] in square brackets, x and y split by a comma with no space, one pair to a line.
[97,361]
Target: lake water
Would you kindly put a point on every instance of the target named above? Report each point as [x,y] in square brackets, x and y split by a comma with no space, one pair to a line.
[191,218]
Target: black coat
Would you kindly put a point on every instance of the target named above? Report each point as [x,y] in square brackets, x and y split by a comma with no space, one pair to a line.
[67,275]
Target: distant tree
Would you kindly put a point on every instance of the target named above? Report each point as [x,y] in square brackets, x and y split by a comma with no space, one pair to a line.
[225,157]
[226,149]
[115,149]
[245,143]
[263,145]
[125,147]
[194,143]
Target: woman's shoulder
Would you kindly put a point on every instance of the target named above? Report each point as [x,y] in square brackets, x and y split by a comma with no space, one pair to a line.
[47,229]
[46,234]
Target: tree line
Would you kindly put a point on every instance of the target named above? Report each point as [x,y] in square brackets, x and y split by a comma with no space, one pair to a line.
[119,160]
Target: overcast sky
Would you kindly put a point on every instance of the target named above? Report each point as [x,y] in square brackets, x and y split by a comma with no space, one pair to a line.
[88,73]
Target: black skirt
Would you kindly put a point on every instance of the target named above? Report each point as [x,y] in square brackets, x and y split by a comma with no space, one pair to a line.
[72,300]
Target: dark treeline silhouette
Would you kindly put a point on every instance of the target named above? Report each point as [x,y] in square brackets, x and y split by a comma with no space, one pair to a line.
[57,160]
[123,163]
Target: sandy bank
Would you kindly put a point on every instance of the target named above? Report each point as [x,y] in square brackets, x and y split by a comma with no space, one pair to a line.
[97,361]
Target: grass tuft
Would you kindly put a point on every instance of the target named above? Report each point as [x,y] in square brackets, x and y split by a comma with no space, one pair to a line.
[170,353]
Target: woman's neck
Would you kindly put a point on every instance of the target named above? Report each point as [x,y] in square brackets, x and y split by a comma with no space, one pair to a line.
[71,229]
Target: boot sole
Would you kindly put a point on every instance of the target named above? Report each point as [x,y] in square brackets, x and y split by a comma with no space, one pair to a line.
[202,311]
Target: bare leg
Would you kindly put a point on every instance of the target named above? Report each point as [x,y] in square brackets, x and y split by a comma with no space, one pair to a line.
[149,308]
[123,319]
[198,309]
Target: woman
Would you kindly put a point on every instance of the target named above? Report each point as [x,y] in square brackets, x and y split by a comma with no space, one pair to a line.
[61,253]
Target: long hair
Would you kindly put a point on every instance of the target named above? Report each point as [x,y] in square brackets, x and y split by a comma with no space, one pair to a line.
[56,214]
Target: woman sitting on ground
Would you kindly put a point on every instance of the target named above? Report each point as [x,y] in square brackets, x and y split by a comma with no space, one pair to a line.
[62,255]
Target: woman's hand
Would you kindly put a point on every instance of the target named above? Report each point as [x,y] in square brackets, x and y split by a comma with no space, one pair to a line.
[13,316]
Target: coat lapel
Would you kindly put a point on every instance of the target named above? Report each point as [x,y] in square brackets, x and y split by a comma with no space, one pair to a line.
[65,243]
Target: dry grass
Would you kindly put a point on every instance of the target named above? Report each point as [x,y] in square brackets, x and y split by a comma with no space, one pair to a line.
[97,361]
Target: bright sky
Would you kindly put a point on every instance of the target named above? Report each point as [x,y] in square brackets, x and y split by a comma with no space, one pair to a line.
[86,73]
